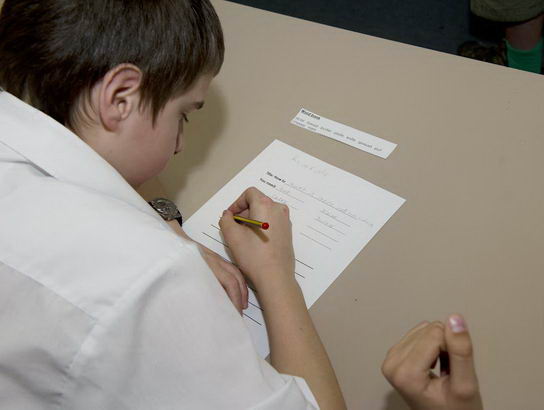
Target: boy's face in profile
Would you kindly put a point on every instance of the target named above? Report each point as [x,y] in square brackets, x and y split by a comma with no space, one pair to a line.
[107,67]
[150,146]
[128,139]
[104,68]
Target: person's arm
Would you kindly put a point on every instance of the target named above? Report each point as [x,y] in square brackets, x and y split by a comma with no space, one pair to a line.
[228,275]
[267,258]
[295,345]
[408,367]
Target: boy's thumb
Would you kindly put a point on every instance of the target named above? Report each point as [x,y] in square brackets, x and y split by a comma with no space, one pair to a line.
[227,224]
[459,345]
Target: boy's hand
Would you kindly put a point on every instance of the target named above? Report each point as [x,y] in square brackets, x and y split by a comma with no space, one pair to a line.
[408,367]
[229,276]
[260,254]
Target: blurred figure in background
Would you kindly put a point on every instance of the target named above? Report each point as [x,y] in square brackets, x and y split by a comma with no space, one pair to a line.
[522,44]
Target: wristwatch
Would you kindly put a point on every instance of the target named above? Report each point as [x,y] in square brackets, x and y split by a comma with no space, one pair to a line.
[166,209]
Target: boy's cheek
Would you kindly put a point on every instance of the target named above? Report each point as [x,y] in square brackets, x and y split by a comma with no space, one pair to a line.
[159,164]
[150,166]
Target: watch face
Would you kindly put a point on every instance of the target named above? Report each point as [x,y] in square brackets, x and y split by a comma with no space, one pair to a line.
[166,208]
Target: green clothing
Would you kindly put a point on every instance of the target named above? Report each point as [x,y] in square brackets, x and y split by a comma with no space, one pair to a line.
[507,10]
[527,60]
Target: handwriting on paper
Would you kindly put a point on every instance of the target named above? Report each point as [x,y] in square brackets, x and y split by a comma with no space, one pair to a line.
[333,213]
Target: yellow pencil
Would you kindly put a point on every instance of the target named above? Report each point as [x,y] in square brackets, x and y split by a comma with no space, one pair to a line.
[262,225]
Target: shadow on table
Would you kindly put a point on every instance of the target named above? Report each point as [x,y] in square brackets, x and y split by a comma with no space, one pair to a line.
[394,402]
[209,122]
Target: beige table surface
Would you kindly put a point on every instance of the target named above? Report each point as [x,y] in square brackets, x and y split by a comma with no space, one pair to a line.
[469,162]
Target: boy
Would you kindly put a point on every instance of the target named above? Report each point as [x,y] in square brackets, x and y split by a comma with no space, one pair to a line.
[102,305]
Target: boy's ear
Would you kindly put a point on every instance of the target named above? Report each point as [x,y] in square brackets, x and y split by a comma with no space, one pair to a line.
[119,95]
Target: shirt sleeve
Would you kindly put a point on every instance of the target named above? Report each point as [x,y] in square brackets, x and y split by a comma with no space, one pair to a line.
[173,340]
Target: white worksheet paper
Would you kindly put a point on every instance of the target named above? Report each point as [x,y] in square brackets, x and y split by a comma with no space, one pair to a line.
[334,215]
[343,133]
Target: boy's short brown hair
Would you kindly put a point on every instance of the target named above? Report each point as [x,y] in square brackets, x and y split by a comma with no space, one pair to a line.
[53,51]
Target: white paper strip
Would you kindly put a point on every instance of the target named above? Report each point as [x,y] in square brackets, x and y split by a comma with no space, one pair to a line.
[343,133]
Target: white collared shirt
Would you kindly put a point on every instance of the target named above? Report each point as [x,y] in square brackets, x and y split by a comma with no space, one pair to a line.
[102,306]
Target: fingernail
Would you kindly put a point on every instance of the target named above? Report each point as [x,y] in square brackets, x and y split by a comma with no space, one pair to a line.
[457,324]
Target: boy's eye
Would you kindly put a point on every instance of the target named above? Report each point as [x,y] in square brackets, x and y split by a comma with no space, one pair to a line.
[184,117]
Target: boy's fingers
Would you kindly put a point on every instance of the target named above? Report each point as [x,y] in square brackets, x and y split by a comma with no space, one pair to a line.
[409,341]
[409,335]
[233,291]
[228,225]
[244,213]
[459,347]
[248,197]
[233,233]
[399,351]
[241,284]
[245,294]
[397,354]
[426,349]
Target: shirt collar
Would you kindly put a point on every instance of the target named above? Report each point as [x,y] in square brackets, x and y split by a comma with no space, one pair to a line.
[59,152]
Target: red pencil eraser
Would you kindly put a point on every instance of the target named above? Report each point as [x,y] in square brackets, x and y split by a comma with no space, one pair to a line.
[265,226]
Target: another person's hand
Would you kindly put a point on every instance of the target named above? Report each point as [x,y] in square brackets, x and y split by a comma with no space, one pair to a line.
[408,367]
[260,253]
[229,276]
